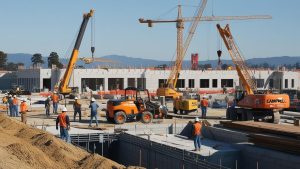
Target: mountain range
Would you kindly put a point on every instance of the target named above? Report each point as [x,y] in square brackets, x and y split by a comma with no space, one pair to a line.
[125,61]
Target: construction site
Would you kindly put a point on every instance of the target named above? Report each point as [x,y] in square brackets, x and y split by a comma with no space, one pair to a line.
[153,117]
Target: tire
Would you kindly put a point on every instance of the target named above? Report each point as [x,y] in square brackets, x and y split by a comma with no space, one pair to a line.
[109,119]
[275,117]
[120,117]
[146,117]
[181,111]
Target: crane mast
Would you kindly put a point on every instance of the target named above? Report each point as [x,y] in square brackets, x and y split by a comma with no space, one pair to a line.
[64,84]
[246,76]
[168,89]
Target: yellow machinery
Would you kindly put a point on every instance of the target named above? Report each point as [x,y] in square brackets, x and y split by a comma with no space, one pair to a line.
[64,84]
[185,106]
[251,104]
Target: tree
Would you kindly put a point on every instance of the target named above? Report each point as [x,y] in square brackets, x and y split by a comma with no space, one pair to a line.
[3,60]
[11,66]
[37,58]
[53,59]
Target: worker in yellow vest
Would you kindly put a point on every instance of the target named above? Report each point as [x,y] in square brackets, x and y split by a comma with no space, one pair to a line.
[23,111]
[196,132]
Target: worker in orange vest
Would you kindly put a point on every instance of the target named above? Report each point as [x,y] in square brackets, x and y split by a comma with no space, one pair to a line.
[204,105]
[55,100]
[15,107]
[23,111]
[196,132]
[64,124]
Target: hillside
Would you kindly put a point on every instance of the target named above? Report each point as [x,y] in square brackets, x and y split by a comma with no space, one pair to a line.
[125,61]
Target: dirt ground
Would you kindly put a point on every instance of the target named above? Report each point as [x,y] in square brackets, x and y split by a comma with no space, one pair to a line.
[25,147]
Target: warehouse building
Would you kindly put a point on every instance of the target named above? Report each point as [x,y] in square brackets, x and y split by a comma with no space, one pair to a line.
[112,79]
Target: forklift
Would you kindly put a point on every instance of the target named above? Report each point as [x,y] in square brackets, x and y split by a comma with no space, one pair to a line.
[136,104]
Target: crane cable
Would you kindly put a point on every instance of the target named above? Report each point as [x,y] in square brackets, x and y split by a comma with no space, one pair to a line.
[93,36]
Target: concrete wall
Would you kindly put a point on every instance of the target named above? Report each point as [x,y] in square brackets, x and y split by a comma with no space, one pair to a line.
[153,76]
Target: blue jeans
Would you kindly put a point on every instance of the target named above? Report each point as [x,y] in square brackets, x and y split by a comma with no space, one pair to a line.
[64,134]
[48,111]
[197,142]
[92,120]
[204,110]
[55,105]
[15,111]
[11,109]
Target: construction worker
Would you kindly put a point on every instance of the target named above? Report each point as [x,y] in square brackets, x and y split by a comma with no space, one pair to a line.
[47,106]
[204,105]
[64,124]
[5,101]
[55,100]
[77,108]
[23,111]
[93,107]
[15,106]
[10,105]
[196,132]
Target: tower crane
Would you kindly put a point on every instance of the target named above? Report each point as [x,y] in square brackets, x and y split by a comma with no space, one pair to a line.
[251,104]
[168,89]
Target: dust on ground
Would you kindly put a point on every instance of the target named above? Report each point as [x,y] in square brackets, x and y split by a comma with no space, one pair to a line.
[25,147]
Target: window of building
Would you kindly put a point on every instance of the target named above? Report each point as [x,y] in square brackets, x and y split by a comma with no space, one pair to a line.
[286,83]
[226,82]
[293,83]
[141,83]
[271,83]
[180,83]
[92,83]
[260,83]
[115,83]
[162,82]
[204,83]
[215,83]
[191,83]
[131,82]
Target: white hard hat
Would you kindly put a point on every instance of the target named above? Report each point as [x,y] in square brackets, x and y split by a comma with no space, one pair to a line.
[197,119]
[54,92]
[93,99]
[76,98]
[23,100]
[15,96]
[9,95]
[64,109]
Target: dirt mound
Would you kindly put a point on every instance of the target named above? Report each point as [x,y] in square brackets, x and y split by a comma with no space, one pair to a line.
[25,147]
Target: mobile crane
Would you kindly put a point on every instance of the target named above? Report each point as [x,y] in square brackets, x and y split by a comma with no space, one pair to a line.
[251,105]
[64,88]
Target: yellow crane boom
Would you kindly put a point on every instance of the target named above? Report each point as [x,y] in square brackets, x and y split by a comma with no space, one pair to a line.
[64,84]
[168,89]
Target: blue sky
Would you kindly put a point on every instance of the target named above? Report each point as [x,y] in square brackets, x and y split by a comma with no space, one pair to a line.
[35,26]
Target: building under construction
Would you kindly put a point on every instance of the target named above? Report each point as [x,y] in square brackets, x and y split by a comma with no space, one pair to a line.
[204,81]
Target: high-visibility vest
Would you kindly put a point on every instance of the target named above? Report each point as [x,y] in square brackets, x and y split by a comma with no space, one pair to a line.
[197,129]
[55,98]
[204,103]
[15,101]
[23,107]
[62,120]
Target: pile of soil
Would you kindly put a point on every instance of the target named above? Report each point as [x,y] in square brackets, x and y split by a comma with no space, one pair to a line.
[25,147]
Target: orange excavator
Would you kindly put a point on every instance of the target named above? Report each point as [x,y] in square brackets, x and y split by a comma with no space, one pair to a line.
[250,104]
